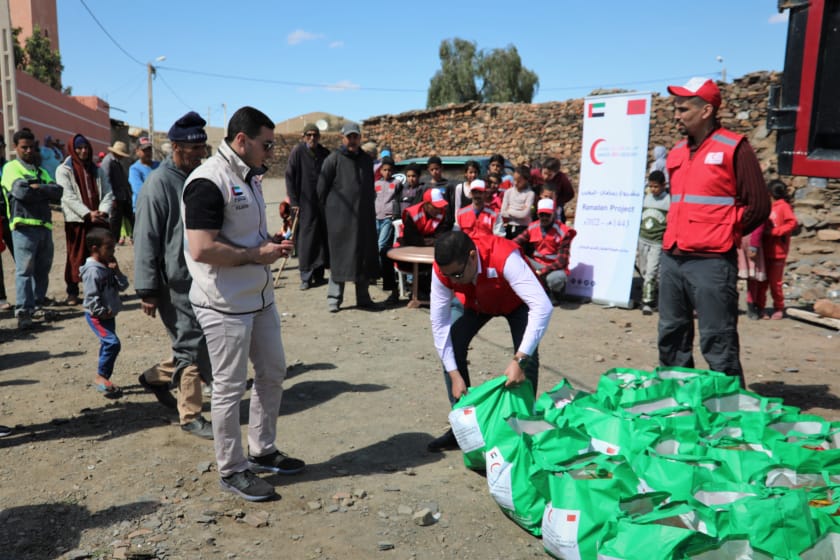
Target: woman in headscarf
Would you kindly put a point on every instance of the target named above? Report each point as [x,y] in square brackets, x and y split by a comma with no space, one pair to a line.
[85,204]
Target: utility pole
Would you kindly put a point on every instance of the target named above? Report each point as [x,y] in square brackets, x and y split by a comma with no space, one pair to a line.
[8,83]
[151,73]
[151,70]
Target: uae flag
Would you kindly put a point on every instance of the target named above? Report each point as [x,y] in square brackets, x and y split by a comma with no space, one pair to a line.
[636,106]
[596,109]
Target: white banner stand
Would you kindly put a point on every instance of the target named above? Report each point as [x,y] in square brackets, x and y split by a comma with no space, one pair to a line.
[609,205]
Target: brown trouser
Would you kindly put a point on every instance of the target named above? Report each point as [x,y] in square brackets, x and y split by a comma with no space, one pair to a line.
[189,387]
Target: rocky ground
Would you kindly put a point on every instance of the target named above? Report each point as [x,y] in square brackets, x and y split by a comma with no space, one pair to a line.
[85,477]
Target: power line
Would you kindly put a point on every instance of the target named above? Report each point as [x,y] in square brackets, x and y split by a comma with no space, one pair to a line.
[172,91]
[105,31]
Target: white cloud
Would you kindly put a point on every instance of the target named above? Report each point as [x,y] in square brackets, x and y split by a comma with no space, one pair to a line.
[304,89]
[779,18]
[343,85]
[299,36]
[336,44]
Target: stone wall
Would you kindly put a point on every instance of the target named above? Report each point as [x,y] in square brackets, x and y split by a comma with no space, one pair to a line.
[525,132]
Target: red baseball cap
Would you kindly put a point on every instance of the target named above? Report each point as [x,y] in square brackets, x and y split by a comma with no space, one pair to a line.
[703,88]
[435,197]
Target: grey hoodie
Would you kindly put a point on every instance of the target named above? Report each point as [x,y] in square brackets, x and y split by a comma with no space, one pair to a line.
[101,286]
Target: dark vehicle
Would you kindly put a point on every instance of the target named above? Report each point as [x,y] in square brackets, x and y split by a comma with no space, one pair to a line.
[803,110]
[453,167]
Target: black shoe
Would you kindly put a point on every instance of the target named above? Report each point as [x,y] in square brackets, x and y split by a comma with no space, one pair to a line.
[247,485]
[5,431]
[199,428]
[304,285]
[161,393]
[444,442]
[370,305]
[393,299]
[277,463]
[319,282]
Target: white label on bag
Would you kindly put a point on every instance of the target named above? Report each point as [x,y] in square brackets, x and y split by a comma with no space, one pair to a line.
[465,427]
[498,478]
[605,447]
[560,532]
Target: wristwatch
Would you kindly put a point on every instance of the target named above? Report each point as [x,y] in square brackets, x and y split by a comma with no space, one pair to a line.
[523,361]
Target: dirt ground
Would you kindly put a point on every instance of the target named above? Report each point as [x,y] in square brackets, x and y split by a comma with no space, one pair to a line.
[82,476]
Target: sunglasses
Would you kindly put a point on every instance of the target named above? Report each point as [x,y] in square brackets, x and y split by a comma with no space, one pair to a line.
[458,275]
[312,134]
[268,145]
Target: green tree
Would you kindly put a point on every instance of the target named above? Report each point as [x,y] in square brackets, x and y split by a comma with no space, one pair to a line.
[455,81]
[20,55]
[467,74]
[42,62]
[505,79]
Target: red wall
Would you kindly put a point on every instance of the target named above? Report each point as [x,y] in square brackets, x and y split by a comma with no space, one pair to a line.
[47,111]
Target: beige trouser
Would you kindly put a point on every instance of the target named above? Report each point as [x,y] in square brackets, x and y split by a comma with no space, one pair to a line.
[189,387]
[231,341]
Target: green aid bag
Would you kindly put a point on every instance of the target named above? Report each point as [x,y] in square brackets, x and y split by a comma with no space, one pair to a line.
[614,432]
[679,475]
[780,523]
[509,467]
[555,447]
[552,402]
[747,401]
[807,456]
[663,534]
[478,418]
[747,461]
[585,497]
[694,386]
[623,386]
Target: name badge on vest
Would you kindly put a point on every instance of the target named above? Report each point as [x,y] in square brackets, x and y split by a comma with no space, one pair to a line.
[491,273]
[714,158]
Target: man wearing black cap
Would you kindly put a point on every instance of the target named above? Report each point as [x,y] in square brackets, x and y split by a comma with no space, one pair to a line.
[302,171]
[163,282]
[346,192]
[717,196]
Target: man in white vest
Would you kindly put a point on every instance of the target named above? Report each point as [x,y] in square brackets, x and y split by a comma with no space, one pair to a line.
[229,255]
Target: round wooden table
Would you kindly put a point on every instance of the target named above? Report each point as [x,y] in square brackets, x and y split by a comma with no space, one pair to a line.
[416,256]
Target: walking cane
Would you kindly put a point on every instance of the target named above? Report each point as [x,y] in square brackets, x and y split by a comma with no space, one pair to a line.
[286,258]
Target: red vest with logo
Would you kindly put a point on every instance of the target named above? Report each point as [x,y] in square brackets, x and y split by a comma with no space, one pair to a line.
[490,293]
[547,247]
[469,222]
[704,217]
[425,225]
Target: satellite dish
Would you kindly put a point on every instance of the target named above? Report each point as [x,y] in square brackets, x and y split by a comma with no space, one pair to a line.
[322,125]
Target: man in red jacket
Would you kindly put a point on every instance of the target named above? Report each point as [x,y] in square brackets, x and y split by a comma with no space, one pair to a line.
[717,195]
[426,220]
[547,242]
[474,280]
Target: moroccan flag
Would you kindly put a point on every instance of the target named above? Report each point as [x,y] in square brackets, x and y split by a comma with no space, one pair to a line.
[636,106]
[596,109]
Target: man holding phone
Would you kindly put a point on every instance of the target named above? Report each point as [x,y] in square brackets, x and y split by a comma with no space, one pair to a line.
[229,255]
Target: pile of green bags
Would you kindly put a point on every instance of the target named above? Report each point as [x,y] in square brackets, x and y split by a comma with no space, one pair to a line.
[673,463]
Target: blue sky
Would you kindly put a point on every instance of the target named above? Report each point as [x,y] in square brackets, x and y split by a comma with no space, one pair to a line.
[360,59]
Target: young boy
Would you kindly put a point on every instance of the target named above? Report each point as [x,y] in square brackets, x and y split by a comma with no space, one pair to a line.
[654,213]
[102,281]
[386,188]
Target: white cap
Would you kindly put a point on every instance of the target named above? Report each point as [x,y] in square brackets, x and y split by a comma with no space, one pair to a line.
[478,184]
[545,205]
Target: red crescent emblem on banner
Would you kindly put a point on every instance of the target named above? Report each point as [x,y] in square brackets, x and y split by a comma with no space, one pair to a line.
[592,151]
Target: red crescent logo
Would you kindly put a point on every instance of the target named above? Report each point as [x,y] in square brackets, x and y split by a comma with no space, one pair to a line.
[494,466]
[592,151]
